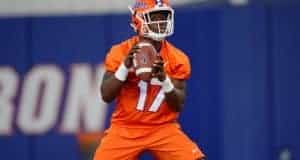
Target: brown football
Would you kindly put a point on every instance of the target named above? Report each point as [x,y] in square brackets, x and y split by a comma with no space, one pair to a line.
[143,60]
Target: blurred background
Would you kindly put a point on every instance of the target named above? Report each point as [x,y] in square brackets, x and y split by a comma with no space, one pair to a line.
[243,96]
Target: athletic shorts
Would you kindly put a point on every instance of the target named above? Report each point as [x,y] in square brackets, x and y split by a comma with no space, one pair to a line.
[166,143]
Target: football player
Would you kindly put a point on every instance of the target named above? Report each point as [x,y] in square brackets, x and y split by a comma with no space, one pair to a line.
[145,116]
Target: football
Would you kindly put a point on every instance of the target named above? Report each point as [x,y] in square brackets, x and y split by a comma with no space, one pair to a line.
[143,60]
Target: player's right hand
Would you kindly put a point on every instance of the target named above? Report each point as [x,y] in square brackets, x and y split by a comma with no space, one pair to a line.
[129,59]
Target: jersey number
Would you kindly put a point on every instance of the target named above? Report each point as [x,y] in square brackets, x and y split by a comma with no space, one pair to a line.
[143,95]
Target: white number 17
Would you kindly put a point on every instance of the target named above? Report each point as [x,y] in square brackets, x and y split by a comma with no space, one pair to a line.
[143,95]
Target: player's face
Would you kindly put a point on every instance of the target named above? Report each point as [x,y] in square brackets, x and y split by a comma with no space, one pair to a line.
[160,17]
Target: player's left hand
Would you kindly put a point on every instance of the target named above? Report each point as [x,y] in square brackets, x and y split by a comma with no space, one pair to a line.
[158,69]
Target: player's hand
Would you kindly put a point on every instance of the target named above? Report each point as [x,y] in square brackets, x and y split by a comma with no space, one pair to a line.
[158,69]
[129,59]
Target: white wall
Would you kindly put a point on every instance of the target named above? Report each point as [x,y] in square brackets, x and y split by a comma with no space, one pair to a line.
[62,7]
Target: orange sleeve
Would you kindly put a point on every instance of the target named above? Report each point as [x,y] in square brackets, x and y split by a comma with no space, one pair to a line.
[113,59]
[180,67]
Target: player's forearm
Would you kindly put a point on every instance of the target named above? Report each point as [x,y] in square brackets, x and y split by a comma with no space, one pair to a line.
[174,93]
[112,83]
[110,87]
[175,99]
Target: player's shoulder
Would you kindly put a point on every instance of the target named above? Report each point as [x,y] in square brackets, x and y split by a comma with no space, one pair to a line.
[176,53]
[178,63]
[116,54]
[124,46]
